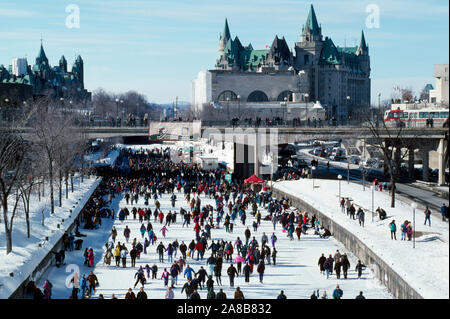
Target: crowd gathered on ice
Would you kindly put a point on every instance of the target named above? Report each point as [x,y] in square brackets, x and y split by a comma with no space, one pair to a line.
[147,175]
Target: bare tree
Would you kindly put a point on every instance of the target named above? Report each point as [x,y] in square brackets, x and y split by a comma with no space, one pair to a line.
[32,172]
[50,127]
[394,147]
[12,155]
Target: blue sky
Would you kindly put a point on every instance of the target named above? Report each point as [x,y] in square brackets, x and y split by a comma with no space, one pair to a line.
[158,46]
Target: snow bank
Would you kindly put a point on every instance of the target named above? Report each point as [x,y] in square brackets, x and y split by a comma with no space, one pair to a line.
[425,267]
[27,254]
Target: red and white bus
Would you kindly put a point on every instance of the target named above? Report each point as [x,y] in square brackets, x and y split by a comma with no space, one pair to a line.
[416,118]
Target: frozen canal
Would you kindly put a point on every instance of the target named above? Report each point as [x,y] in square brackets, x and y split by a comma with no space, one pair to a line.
[296,272]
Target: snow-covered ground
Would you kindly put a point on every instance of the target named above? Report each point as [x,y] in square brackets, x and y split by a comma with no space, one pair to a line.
[26,254]
[296,271]
[425,267]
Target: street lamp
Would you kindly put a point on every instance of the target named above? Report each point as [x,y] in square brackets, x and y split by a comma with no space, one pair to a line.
[414,206]
[306,116]
[348,103]
[283,105]
[348,169]
[228,108]
[239,106]
[313,168]
[364,166]
[373,191]
[117,108]
[339,178]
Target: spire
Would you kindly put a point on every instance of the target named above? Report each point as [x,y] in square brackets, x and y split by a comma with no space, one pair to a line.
[362,42]
[311,24]
[63,64]
[41,56]
[226,32]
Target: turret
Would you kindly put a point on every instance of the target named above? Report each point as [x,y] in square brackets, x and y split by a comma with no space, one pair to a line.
[63,64]
[363,49]
[311,30]
[224,37]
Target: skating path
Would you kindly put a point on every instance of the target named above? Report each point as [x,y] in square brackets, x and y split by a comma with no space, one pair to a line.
[296,271]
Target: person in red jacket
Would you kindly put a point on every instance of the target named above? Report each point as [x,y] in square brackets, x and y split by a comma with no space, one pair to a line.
[199,249]
[161,217]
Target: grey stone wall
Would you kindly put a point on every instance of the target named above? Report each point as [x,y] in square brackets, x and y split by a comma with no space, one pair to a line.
[396,285]
[244,84]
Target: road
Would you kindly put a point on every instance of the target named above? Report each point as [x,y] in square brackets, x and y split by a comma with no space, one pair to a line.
[424,197]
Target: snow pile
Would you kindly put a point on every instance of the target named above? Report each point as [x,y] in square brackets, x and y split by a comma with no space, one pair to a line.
[27,254]
[425,268]
[109,160]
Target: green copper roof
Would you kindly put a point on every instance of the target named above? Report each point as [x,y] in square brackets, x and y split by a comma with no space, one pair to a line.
[347,50]
[330,54]
[251,59]
[246,58]
[226,32]
[311,23]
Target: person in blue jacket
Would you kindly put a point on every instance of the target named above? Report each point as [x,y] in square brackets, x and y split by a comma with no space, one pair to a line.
[83,285]
[393,229]
[337,293]
[188,272]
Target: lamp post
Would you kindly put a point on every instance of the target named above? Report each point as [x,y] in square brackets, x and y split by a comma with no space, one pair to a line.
[313,168]
[348,104]
[7,109]
[306,100]
[348,170]
[228,108]
[283,106]
[239,106]
[117,109]
[364,166]
[414,206]
[339,178]
[373,191]
[379,106]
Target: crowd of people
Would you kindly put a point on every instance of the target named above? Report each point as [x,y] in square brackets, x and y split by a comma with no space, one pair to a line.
[144,176]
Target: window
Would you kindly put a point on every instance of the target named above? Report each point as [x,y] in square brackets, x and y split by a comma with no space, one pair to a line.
[434,114]
[227,95]
[284,94]
[443,115]
[257,96]
[423,115]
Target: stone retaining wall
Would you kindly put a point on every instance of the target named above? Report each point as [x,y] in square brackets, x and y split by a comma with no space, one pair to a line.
[398,287]
[48,260]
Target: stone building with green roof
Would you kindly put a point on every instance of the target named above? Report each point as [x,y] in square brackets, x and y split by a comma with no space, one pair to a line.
[55,82]
[315,69]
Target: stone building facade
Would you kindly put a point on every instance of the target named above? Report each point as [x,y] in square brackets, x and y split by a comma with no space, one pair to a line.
[315,70]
